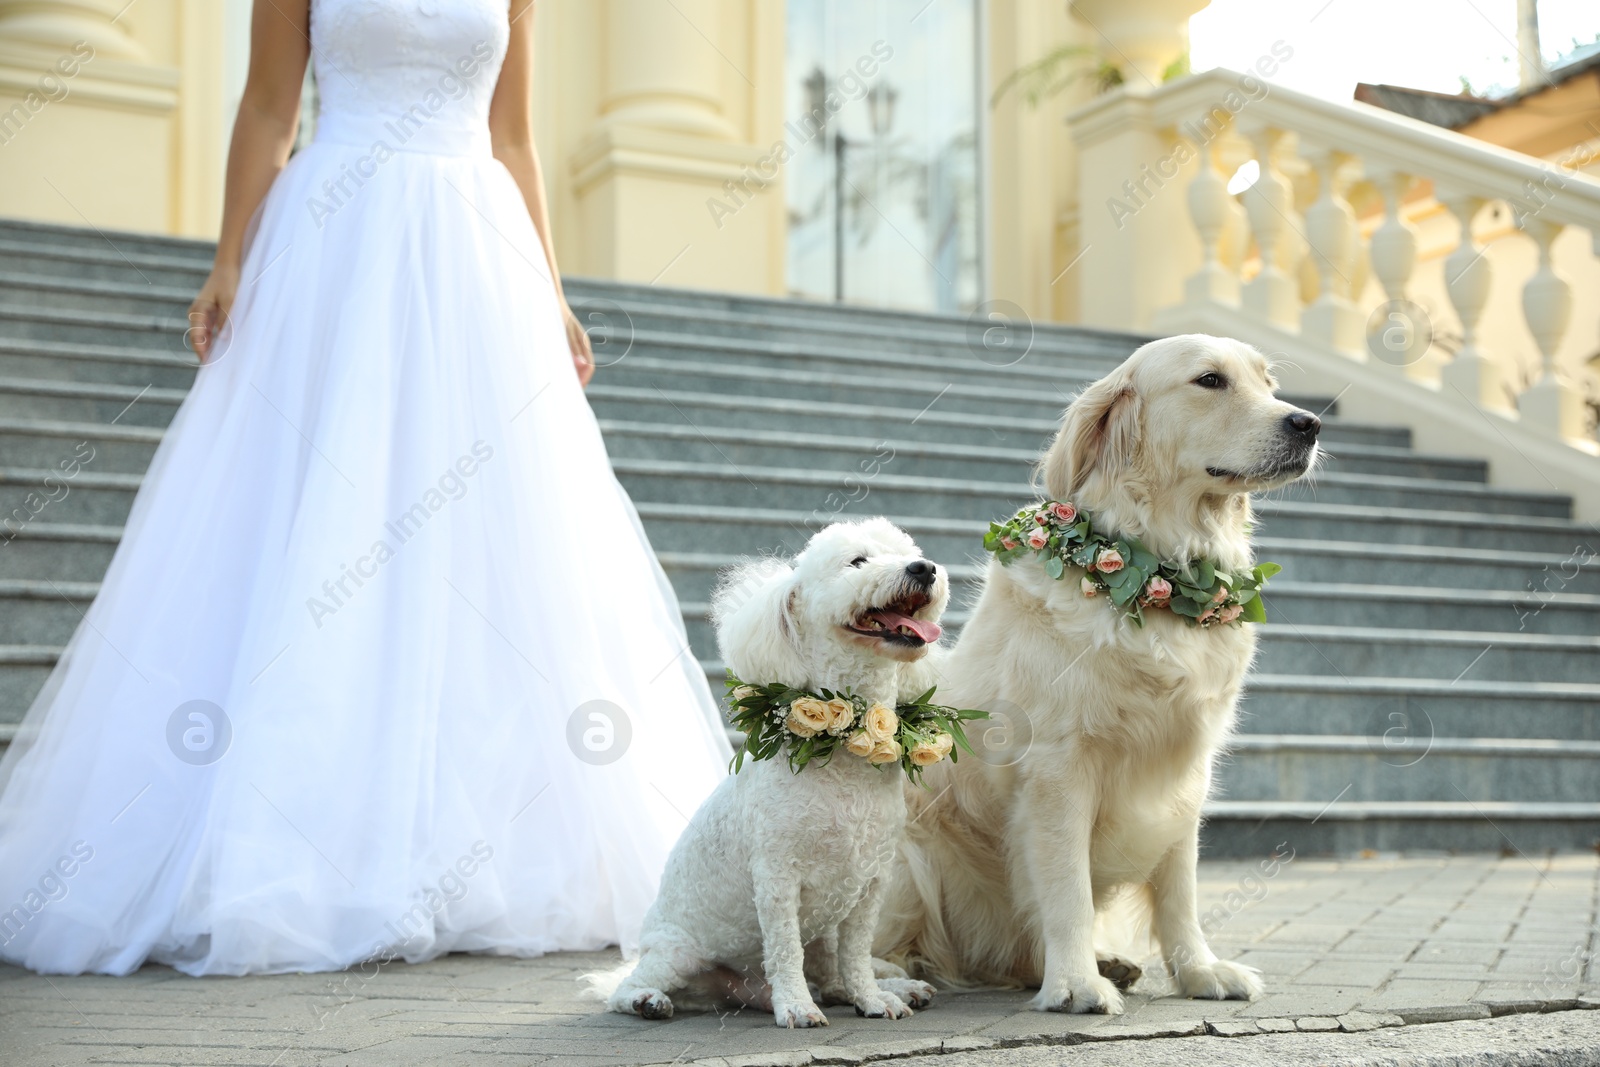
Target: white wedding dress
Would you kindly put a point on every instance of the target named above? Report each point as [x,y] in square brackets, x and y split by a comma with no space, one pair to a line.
[385,666]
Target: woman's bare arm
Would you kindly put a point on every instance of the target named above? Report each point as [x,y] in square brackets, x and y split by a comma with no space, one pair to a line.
[269,113]
[511,131]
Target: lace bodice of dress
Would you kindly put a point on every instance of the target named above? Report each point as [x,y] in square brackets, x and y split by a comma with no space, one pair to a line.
[416,75]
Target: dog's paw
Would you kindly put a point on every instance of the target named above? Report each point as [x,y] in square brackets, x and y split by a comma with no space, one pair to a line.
[1221,980]
[1089,995]
[651,1004]
[1120,972]
[798,1015]
[882,1005]
[916,994]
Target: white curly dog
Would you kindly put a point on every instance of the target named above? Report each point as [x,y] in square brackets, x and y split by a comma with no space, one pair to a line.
[780,874]
[1113,729]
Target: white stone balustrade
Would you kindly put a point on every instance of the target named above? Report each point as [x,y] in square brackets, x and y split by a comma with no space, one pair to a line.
[1351,188]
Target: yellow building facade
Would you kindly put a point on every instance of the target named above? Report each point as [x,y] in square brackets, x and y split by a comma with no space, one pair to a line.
[671,134]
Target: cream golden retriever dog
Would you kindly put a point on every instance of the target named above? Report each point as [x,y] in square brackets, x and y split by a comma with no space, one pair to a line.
[1095,797]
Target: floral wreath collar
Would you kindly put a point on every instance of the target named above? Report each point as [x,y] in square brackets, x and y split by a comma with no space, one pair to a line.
[1127,573]
[812,726]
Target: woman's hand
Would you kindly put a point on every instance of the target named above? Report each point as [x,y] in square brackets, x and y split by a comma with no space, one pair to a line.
[209,312]
[578,341]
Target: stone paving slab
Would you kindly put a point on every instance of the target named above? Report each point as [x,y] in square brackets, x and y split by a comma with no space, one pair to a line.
[1371,950]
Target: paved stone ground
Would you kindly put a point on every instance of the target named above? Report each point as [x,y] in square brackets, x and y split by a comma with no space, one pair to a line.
[1349,948]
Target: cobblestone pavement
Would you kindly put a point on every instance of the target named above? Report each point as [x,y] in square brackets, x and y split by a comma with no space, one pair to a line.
[1345,945]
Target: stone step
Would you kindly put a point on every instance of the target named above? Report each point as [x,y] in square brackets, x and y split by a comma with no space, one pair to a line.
[868,386]
[74,264]
[734,531]
[1357,563]
[1408,607]
[658,330]
[40,550]
[47,574]
[43,611]
[1240,828]
[1399,718]
[1412,711]
[948,363]
[1319,767]
[1291,601]
[1395,629]
[1403,715]
[88,402]
[135,260]
[1356,652]
[23,670]
[698,302]
[26,322]
[46,444]
[802,489]
[54,361]
[100,498]
[856,329]
[1310,563]
[820,496]
[860,455]
[1365,651]
[761,413]
[1285,519]
[116,243]
[30,372]
[868,382]
[144,294]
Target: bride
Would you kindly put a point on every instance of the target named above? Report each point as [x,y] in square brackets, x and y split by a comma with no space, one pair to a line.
[384,666]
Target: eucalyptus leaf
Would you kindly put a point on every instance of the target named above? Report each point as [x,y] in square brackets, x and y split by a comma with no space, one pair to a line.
[1255,610]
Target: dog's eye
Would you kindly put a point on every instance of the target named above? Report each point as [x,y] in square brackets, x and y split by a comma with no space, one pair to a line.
[858,561]
[1211,380]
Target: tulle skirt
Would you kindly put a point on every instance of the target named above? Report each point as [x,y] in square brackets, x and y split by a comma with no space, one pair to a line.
[385,666]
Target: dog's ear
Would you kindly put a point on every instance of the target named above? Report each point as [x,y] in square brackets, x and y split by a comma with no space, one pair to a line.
[753,610]
[1098,433]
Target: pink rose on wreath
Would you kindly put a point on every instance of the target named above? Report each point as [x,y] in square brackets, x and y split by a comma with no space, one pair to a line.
[1041,517]
[1230,613]
[1009,543]
[1222,595]
[1063,513]
[1088,586]
[1157,591]
[1038,537]
[1109,561]
[1206,615]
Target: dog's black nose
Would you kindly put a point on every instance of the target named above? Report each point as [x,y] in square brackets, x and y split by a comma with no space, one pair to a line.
[922,571]
[1304,424]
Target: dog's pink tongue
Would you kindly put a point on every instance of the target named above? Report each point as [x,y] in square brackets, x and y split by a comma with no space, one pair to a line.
[928,631]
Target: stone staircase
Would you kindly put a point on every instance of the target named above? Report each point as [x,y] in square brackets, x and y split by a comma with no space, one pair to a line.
[1412,691]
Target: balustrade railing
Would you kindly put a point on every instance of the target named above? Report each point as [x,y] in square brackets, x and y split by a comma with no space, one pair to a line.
[1330,239]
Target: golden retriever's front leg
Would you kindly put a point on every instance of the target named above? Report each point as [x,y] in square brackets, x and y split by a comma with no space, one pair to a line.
[1194,968]
[1057,826]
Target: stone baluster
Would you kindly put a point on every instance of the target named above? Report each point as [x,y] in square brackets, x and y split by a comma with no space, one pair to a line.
[1467,277]
[1209,208]
[1551,404]
[1332,235]
[1272,294]
[1393,247]
[1403,333]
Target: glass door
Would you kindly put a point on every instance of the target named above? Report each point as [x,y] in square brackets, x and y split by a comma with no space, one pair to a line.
[883,181]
